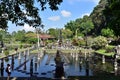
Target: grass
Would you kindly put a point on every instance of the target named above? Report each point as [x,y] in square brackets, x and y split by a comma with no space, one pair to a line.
[103,52]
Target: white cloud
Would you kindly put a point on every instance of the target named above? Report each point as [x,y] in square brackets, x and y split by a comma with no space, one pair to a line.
[54,18]
[65,13]
[26,27]
[73,1]
[85,14]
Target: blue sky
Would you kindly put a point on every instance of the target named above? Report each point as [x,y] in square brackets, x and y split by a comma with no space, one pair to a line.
[68,10]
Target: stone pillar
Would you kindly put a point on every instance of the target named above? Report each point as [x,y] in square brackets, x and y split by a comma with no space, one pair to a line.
[24,53]
[28,52]
[76,56]
[103,59]
[19,55]
[115,63]
[85,55]
[38,55]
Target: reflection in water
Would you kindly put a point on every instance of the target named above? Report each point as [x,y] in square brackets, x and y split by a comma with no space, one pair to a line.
[83,67]
[36,64]
[12,62]
[31,67]
[87,67]
[25,64]
[59,71]
[2,67]
[80,65]
[19,61]
[76,65]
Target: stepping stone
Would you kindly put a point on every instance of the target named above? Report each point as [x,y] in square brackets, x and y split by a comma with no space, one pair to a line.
[46,64]
[27,72]
[52,65]
[49,72]
[36,73]
[19,70]
[23,71]
[65,64]
[53,70]
[43,73]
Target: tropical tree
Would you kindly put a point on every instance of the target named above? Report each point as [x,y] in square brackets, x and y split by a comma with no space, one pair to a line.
[54,32]
[5,36]
[20,35]
[72,26]
[98,17]
[66,33]
[24,11]
[31,37]
[99,42]
[112,13]
[86,26]
[107,32]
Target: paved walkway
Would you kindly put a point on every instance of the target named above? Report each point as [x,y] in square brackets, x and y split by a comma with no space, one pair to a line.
[14,52]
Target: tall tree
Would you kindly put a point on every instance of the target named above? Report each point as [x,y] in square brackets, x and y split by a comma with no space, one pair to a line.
[20,36]
[112,13]
[71,26]
[98,17]
[54,32]
[24,11]
[107,32]
[86,25]
[66,33]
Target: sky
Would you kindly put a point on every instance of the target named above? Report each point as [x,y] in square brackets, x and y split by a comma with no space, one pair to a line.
[68,10]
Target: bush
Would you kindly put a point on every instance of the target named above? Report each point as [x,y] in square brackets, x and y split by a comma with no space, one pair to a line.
[109,49]
[6,59]
[6,52]
[82,42]
[75,42]
[99,42]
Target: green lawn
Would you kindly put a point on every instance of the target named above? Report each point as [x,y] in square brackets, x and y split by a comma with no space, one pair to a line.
[103,52]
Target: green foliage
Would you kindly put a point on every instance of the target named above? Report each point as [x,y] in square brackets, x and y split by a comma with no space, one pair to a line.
[0,37]
[66,33]
[6,59]
[86,25]
[75,42]
[31,37]
[112,13]
[109,49]
[90,40]
[98,17]
[103,52]
[82,43]
[21,46]
[81,26]
[107,32]
[72,26]
[20,35]
[32,40]
[24,11]
[6,52]
[99,42]
[54,32]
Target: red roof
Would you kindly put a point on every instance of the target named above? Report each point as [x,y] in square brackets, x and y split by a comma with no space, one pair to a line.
[45,36]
